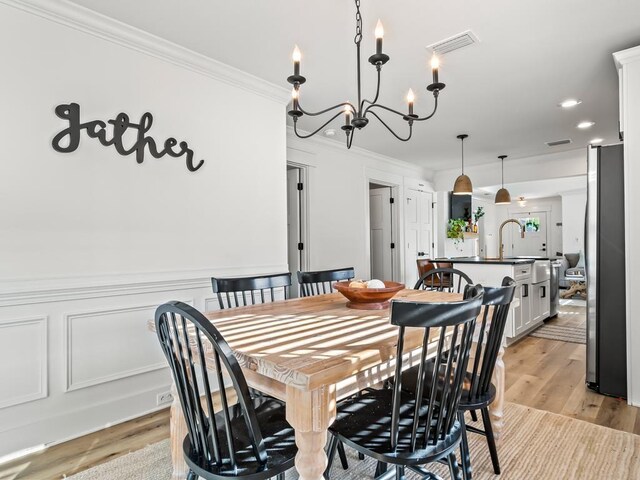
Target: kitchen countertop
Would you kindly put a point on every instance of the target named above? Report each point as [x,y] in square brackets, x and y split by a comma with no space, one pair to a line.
[490,261]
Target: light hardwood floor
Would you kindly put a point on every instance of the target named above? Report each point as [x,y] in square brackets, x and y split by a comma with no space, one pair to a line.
[550,375]
[544,374]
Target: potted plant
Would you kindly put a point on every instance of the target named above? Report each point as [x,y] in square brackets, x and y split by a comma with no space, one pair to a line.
[477,215]
[455,229]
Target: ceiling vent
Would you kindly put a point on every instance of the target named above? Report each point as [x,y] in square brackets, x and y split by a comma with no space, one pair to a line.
[558,143]
[456,42]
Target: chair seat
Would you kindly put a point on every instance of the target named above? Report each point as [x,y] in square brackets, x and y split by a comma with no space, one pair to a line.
[278,438]
[410,379]
[363,423]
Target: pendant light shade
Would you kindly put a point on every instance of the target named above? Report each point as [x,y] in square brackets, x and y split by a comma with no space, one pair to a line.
[463,184]
[503,197]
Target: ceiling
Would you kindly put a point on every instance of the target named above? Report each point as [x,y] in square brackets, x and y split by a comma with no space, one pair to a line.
[503,91]
[536,188]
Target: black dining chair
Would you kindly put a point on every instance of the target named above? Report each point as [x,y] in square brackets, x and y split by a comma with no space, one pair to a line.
[478,391]
[321,281]
[256,445]
[443,280]
[243,291]
[412,429]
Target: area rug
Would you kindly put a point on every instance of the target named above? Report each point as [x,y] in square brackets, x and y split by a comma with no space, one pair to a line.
[562,333]
[573,302]
[536,444]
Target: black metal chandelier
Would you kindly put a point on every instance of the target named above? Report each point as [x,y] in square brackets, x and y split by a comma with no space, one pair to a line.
[356,116]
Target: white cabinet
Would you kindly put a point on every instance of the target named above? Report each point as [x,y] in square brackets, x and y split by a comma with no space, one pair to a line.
[540,304]
[522,313]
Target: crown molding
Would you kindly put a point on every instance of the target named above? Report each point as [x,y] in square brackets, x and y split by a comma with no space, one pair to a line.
[325,142]
[626,56]
[93,23]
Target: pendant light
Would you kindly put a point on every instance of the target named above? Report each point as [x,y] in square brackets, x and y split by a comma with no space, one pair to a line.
[503,197]
[463,183]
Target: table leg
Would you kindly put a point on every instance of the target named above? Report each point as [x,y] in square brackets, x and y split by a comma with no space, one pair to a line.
[496,409]
[178,430]
[310,413]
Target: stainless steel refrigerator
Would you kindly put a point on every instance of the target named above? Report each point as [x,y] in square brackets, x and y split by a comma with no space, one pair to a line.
[605,271]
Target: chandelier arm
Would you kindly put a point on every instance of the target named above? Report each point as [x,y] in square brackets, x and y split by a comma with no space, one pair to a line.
[375,99]
[295,129]
[392,132]
[435,108]
[315,114]
[378,105]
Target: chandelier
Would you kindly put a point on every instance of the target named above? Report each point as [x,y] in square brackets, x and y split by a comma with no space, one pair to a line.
[357,116]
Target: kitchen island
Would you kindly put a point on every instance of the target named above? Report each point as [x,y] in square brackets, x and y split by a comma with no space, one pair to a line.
[532,275]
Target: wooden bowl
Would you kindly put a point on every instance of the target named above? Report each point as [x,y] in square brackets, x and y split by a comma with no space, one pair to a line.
[368,298]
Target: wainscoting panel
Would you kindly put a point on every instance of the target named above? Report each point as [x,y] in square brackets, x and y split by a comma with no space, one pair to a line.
[23,360]
[111,344]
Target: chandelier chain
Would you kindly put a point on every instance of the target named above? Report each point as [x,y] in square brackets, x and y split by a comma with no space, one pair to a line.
[358,38]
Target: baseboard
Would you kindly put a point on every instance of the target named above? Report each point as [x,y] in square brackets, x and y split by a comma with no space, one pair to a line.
[78,423]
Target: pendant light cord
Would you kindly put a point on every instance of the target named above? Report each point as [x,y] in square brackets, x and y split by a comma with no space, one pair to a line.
[502,160]
[462,142]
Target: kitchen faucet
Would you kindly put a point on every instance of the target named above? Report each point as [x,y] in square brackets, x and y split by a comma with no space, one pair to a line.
[510,220]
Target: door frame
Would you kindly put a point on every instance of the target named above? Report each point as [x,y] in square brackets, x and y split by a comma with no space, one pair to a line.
[397,235]
[305,231]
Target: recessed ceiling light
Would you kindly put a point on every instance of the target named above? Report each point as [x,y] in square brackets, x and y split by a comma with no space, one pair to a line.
[330,132]
[570,103]
[596,140]
[586,124]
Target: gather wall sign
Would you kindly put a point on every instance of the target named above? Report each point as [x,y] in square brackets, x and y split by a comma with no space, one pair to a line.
[68,139]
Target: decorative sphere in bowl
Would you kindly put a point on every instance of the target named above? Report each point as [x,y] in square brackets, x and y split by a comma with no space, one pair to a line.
[369,298]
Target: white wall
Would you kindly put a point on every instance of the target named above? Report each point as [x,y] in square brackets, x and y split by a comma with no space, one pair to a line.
[338,193]
[91,241]
[573,217]
[628,62]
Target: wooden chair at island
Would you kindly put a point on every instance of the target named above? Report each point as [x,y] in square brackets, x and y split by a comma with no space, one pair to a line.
[443,279]
[410,430]
[321,281]
[257,444]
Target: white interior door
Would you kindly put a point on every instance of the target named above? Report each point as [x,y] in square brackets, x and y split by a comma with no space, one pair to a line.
[381,239]
[293,227]
[418,224]
[535,236]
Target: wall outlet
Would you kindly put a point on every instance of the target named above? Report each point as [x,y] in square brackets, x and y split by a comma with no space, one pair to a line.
[164,397]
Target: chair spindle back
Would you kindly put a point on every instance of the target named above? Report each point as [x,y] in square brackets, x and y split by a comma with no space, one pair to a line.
[243,291]
[453,323]
[321,282]
[491,325]
[194,347]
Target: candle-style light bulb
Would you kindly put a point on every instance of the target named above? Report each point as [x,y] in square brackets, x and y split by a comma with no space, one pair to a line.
[379,35]
[379,29]
[410,99]
[347,115]
[435,64]
[296,56]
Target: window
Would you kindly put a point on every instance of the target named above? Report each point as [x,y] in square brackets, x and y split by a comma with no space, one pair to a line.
[530,224]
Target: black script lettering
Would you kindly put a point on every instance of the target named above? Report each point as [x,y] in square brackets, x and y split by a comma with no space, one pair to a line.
[121,124]
[71,113]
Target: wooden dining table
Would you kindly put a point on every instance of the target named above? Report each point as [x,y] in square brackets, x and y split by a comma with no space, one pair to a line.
[311,352]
